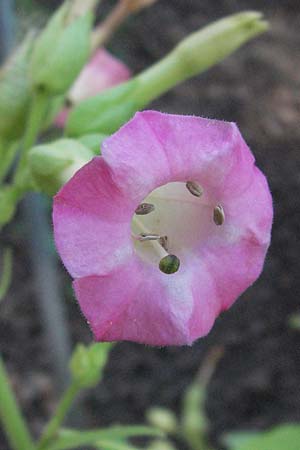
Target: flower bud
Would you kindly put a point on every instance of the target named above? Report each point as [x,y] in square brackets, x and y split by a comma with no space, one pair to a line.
[163,418]
[93,141]
[105,113]
[52,165]
[159,444]
[87,363]
[15,93]
[61,50]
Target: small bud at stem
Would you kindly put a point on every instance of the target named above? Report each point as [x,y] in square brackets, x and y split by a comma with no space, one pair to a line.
[219,215]
[144,208]
[169,264]
[194,188]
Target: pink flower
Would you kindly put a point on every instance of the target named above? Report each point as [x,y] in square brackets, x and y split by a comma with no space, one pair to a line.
[218,228]
[102,72]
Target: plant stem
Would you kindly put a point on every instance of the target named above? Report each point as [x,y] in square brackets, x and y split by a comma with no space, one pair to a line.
[6,272]
[58,418]
[11,417]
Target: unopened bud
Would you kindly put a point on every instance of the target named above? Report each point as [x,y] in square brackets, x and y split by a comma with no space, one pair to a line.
[87,363]
[52,165]
[61,50]
[15,92]
[163,419]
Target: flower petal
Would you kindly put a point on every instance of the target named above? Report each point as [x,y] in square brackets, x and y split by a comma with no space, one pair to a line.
[92,222]
[154,148]
[149,307]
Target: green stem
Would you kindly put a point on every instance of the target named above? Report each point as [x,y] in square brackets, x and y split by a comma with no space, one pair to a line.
[35,122]
[58,418]
[6,273]
[11,417]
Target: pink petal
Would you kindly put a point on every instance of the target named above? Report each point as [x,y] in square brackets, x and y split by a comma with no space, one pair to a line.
[85,210]
[149,307]
[154,148]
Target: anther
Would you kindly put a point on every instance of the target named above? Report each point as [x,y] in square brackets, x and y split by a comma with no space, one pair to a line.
[148,237]
[219,215]
[169,264]
[194,188]
[144,208]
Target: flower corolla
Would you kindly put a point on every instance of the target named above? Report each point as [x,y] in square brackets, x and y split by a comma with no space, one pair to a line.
[164,230]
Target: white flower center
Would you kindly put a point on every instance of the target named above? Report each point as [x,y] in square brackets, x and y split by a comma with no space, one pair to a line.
[182,217]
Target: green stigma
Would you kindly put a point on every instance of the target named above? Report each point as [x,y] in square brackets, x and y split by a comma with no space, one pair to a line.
[169,264]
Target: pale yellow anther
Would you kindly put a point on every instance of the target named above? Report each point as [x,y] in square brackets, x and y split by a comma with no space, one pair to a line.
[194,188]
[219,215]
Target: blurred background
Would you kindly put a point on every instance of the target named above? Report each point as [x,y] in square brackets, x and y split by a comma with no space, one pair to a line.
[256,383]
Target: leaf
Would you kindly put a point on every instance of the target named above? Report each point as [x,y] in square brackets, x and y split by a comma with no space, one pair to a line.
[114,445]
[234,440]
[6,272]
[69,439]
[283,437]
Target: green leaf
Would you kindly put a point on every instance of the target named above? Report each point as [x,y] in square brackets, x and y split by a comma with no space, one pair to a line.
[6,272]
[114,445]
[235,440]
[283,437]
[69,439]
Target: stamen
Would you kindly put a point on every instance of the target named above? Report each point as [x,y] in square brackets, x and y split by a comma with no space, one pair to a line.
[149,237]
[219,215]
[144,208]
[163,240]
[169,264]
[194,188]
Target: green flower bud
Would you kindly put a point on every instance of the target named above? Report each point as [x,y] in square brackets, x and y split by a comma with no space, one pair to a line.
[105,113]
[162,418]
[87,363]
[61,50]
[160,444]
[93,141]
[52,165]
[15,93]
